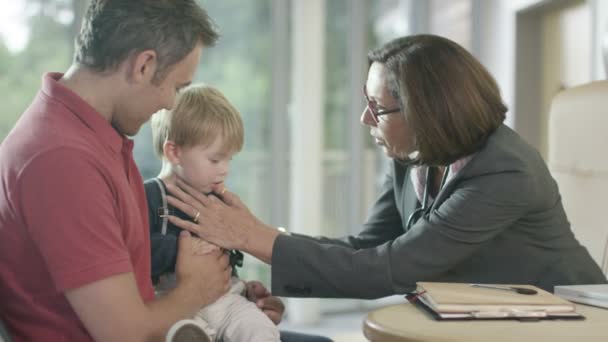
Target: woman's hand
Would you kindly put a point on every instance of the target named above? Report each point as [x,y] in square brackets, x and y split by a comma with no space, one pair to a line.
[223,220]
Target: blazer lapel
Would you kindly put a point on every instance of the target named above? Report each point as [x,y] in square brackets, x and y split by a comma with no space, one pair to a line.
[448,188]
[409,199]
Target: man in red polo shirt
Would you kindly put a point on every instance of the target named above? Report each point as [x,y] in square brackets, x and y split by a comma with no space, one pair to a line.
[74,241]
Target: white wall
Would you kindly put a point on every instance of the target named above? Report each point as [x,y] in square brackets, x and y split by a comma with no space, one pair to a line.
[494,40]
[494,44]
[600,33]
[565,58]
[308,22]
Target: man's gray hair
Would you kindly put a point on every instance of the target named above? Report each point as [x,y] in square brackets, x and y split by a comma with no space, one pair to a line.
[114,30]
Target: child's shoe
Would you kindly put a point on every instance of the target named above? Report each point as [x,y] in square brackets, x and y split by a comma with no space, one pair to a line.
[188,330]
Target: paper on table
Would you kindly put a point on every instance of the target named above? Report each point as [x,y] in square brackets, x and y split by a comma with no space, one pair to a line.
[459,300]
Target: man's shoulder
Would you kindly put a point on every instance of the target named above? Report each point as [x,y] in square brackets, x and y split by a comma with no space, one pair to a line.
[51,159]
[49,130]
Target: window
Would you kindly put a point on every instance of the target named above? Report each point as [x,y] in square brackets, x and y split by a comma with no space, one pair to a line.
[29,30]
[353,166]
[250,64]
[240,66]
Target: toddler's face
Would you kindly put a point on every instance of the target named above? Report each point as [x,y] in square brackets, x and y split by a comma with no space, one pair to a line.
[204,167]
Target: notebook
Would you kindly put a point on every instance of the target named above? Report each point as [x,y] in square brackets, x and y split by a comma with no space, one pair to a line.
[596,295]
[446,301]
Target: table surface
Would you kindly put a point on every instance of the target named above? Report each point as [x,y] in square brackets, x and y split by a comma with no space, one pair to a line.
[405,322]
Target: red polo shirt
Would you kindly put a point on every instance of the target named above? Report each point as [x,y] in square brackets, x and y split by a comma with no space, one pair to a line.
[72,212]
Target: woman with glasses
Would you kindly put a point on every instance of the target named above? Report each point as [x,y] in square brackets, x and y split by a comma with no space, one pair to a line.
[465,199]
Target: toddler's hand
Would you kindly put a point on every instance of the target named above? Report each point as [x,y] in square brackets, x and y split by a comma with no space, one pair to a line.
[272,306]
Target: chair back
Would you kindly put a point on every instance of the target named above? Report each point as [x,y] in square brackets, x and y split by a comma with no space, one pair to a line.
[578,160]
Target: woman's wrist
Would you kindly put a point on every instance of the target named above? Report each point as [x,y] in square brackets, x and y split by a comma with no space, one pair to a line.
[260,241]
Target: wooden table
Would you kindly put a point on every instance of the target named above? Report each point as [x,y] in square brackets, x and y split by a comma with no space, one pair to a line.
[405,322]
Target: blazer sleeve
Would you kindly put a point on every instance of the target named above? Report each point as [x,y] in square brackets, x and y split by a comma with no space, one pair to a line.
[383,222]
[476,211]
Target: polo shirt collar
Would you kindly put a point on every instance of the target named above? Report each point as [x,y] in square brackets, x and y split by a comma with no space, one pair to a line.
[89,116]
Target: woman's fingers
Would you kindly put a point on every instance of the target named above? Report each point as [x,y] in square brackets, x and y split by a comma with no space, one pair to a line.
[218,188]
[184,197]
[230,199]
[187,225]
[221,192]
[217,219]
[192,192]
[186,208]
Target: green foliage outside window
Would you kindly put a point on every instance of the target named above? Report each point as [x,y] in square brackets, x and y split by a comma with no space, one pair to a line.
[48,49]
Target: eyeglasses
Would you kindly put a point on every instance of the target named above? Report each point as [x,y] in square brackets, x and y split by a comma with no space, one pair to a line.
[373,107]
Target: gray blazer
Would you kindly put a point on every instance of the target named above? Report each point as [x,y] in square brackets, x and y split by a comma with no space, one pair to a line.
[499,220]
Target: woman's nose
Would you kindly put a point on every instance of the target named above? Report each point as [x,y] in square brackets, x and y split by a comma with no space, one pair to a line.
[366,117]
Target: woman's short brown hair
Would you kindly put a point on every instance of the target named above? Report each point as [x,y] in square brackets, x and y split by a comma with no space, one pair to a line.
[200,116]
[449,100]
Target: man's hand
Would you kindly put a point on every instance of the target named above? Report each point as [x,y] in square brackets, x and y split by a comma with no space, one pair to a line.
[203,247]
[272,306]
[207,275]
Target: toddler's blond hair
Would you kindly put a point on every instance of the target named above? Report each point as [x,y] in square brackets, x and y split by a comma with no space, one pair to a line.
[201,115]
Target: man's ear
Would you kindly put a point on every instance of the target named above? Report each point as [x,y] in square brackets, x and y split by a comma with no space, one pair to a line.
[143,66]
[172,152]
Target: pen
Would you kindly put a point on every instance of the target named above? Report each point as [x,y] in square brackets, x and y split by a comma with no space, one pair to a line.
[520,290]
